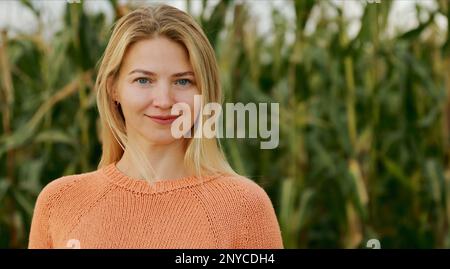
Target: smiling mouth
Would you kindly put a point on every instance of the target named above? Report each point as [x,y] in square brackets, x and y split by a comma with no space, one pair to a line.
[163,120]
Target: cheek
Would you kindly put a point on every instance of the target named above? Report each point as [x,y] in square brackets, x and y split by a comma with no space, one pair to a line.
[192,99]
[132,99]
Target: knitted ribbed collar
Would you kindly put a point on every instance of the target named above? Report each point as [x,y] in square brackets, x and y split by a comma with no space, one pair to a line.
[117,177]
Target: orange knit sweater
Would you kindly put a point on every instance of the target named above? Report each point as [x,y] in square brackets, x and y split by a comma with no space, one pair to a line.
[107,209]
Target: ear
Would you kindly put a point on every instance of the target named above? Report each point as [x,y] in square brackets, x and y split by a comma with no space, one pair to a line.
[112,88]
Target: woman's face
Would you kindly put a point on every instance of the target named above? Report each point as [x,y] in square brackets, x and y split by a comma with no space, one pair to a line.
[155,74]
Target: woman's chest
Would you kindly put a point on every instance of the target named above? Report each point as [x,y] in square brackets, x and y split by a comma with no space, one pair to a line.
[139,223]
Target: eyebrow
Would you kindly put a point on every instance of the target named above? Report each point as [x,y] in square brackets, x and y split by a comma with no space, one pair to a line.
[150,73]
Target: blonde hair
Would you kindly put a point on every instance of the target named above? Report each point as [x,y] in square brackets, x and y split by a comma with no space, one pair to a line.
[203,155]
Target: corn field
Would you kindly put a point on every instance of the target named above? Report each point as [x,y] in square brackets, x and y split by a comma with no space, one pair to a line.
[364,119]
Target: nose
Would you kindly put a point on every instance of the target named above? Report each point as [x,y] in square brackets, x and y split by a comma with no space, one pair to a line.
[162,96]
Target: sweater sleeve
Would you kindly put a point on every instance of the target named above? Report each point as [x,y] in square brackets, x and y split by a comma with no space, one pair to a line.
[263,230]
[39,231]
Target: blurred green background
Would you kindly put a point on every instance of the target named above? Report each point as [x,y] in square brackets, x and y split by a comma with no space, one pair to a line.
[364,115]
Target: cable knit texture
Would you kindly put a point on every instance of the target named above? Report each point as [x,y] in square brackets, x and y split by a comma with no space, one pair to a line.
[107,209]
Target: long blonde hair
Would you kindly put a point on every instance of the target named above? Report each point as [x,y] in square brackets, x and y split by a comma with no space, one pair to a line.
[203,155]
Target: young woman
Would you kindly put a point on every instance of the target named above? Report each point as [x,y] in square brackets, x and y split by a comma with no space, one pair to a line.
[152,190]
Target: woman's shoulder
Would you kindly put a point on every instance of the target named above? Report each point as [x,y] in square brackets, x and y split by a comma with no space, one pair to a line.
[242,181]
[57,188]
[248,189]
[249,210]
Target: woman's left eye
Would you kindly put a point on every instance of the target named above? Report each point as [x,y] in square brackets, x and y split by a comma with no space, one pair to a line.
[183,82]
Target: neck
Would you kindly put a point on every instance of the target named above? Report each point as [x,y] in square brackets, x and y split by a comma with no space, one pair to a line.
[166,160]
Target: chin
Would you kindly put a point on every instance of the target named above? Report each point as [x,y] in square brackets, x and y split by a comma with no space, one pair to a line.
[161,138]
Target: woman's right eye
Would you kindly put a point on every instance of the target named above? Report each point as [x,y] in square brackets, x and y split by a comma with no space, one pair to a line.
[142,81]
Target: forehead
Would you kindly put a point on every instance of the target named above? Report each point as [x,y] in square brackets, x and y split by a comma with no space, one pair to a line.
[159,55]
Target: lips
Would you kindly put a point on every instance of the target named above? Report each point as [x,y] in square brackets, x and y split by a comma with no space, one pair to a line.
[163,119]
